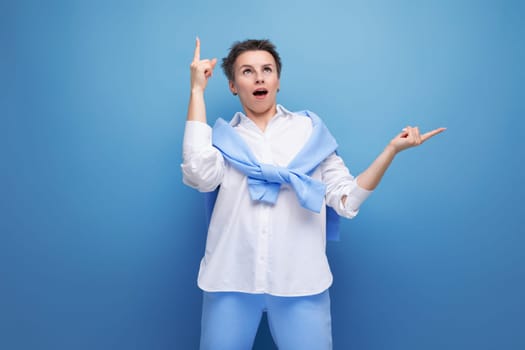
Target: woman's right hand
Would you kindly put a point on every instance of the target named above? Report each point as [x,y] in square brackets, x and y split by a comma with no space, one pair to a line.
[201,70]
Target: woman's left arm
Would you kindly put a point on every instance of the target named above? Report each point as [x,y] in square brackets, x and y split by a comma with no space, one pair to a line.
[410,137]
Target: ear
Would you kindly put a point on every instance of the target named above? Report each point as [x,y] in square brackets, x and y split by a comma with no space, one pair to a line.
[232,87]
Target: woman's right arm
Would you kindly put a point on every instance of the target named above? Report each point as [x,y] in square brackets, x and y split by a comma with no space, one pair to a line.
[203,164]
[201,71]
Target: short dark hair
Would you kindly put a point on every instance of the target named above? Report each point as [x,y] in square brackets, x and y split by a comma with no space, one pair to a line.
[240,47]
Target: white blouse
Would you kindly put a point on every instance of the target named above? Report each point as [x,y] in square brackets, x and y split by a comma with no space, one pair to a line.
[254,247]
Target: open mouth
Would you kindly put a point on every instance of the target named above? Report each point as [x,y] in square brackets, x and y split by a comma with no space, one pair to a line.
[260,92]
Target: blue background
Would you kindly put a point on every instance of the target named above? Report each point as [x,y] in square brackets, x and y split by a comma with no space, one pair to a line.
[100,240]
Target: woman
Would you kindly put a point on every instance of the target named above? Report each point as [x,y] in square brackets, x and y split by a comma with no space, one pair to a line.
[278,176]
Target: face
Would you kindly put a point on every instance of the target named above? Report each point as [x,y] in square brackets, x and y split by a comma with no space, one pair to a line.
[256,82]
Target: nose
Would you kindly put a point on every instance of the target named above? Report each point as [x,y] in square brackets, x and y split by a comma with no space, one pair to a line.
[259,79]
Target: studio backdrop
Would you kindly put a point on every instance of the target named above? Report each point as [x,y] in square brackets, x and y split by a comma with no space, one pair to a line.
[100,241]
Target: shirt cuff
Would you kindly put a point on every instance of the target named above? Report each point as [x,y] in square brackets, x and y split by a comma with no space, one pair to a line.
[197,135]
[356,196]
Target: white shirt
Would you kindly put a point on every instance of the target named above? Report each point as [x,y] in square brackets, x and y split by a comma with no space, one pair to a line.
[254,247]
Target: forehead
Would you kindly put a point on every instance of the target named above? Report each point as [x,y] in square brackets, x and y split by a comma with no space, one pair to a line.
[254,58]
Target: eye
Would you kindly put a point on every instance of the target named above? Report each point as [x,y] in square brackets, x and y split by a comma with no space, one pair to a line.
[267,70]
[247,71]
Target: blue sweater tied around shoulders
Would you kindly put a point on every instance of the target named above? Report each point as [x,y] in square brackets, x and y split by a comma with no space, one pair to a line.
[265,180]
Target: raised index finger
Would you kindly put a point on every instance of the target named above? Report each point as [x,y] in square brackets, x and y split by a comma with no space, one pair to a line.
[432,133]
[197,54]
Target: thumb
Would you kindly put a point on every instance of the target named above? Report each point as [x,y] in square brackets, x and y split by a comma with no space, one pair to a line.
[213,63]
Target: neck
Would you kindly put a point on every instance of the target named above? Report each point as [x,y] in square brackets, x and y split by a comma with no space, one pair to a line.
[261,119]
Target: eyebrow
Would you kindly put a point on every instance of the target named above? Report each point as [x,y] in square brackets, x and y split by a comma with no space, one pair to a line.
[250,66]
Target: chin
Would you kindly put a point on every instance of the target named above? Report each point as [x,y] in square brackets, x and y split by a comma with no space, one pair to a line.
[260,107]
[263,107]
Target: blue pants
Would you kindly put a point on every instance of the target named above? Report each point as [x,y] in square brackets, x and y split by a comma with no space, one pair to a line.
[230,321]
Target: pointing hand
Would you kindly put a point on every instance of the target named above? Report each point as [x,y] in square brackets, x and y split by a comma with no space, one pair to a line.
[410,137]
[201,70]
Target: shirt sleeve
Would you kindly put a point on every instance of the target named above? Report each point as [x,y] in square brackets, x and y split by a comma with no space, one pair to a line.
[339,182]
[202,164]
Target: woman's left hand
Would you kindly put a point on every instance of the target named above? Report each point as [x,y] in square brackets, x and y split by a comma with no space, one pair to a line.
[410,137]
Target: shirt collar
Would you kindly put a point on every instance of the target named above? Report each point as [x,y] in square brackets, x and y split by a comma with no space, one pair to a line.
[241,119]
